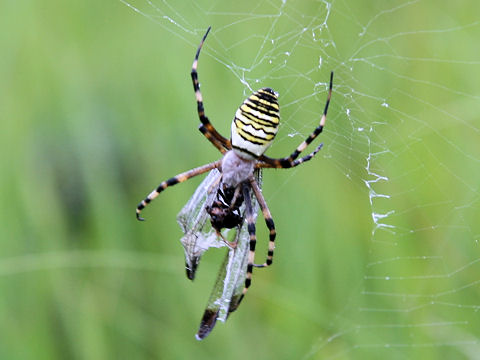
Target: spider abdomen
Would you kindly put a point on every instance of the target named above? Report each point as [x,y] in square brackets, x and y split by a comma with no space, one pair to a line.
[256,123]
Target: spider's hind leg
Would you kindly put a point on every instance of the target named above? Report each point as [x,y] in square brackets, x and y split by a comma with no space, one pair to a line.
[253,239]
[268,221]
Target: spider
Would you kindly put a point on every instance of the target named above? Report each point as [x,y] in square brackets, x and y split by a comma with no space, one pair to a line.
[253,129]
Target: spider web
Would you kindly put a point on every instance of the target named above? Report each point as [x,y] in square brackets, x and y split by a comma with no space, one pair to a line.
[402,137]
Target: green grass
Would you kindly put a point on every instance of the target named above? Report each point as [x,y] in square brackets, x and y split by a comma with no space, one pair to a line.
[96,108]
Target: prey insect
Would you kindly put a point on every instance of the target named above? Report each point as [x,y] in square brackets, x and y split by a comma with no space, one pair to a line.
[229,204]
[199,236]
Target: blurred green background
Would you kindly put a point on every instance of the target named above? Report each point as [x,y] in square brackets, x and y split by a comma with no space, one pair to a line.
[377,253]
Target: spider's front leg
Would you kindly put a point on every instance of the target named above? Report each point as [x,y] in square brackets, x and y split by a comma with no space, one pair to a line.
[206,127]
[287,163]
[290,161]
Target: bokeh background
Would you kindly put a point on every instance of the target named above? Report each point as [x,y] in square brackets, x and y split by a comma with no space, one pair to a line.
[377,253]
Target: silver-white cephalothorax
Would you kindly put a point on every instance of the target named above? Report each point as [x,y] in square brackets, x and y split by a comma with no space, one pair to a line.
[236,169]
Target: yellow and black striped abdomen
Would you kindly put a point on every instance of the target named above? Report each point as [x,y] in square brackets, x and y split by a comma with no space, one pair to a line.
[256,123]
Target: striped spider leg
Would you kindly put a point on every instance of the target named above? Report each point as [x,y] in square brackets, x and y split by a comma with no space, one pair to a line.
[206,127]
[268,221]
[173,181]
[287,162]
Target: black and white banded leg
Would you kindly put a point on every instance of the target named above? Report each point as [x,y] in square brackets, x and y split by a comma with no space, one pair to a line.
[173,181]
[253,239]
[288,162]
[206,127]
[268,221]
[294,163]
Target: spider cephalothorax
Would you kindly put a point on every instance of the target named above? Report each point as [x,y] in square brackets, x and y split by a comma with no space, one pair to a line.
[253,129]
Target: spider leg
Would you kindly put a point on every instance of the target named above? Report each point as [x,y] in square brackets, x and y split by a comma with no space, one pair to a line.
[268,221]
[287,162]
[212,139]
[294,163]
[173,181]
[206,128]
[253,239]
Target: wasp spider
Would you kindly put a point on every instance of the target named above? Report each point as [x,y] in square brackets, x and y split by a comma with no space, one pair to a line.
[253,129]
